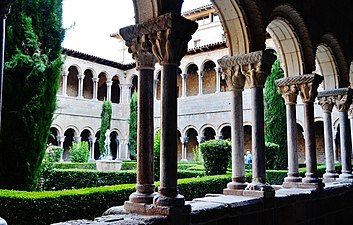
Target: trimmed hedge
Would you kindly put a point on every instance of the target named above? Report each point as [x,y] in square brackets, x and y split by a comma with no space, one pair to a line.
[71,165]
[18,207]
[74,179]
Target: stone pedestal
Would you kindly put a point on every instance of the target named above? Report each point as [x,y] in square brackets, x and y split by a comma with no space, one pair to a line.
[108,165]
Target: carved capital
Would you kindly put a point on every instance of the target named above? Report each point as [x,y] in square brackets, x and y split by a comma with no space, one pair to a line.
[343,102]
[184,140]
[5,6]
[255,77]
[289,93]
[234,77]
[167,36]
[327,103]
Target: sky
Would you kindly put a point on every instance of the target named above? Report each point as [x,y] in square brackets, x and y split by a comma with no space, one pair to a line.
[89,23]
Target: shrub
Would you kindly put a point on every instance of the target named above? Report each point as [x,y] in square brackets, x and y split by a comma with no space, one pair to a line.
[129,165]
[133,126]
[106,116]
[271,151]
[72,165]
[79,152]
[216,154]
[157,152]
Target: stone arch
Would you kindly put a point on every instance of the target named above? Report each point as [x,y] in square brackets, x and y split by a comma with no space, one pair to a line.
[226,132]
[116,91]
[89,129]
[69,134]
[52,138]
[209,77]
[58,128]
[134,84]
[179,146]
[145,10]
[88,84]
[243,33]
[115,143]
[96,153]
[332,63]
[102,86]
[72,81]
[192,144]
[292,40]
[192,80]
[208,132]
[180,83]
[85,135]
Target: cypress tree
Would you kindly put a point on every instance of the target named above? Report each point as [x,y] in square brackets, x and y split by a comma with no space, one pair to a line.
[133,126]
[32,70]
[275,116]
[106,117]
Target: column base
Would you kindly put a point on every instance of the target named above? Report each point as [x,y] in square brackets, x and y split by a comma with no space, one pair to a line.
[138,197]
[345,178]
[257,189]
[161,200]
[292,179]
[235,188]
[329,177]
[151,209]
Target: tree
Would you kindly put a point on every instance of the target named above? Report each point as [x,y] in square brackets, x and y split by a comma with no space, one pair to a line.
[133,126]
[32,70]
[106,117]
[275,116]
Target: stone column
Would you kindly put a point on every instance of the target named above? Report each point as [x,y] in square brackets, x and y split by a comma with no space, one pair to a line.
[350,117]
[80,85]
[155,84]
[327,102]
[64,85]
[95,88]
[343,99]
[169,46]
[289,93]
[60,140]
[184,141]
[77,139]
[257,66]
[307,86]
[109,89]
[184,76]
[235,80]
[91,141]
[218,80]
[4,11]
[200,82]
[117,140]
[141,49]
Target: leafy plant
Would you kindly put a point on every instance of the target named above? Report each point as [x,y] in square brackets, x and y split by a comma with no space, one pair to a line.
[79,152]
[106,117]
[197,154]
[275,117]
[157,153]
[271,151]
[133,126]
[216,154]
[32,70]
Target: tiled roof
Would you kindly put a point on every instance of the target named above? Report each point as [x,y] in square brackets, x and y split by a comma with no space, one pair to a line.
[199,9]
[206,48]
[96,59]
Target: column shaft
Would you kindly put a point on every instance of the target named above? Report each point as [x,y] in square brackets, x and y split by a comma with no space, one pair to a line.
[345,140]
[293,173]
[258,140]
[218,82]
[168,151]
[329,155]
[310,144]
[145,168]
[238,167]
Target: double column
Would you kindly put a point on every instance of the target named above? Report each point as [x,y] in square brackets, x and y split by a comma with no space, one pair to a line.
[166,37]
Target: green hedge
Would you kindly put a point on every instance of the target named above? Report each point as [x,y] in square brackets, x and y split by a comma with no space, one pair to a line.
[18,207]
[74,178]
[71,165]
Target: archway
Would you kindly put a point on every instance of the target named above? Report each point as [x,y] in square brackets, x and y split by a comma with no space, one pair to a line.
[192,145]
[114,144]
[192,80]
[88,84]
[97,153]
[134,85]
[247,138]
[52,136]
[209,133]
[158,85]
[301,143]
[72,82]
[102,87]
[115,98]
[320,142]
[226,133]
[179,146]
[209,78]
[69,138]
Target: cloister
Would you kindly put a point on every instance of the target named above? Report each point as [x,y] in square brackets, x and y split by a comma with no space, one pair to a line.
[306,33]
